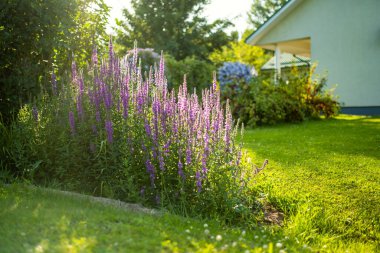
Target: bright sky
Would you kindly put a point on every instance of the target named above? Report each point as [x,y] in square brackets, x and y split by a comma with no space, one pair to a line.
[233,10]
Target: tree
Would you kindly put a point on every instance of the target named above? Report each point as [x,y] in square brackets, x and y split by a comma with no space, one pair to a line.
[262,10]
[239,51]
[174,26]
[37,36]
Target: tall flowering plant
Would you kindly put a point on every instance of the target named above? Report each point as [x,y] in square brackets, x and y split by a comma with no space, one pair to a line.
[135,139]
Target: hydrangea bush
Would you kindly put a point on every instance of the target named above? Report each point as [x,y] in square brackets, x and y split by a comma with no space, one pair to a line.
[234,73]
[108,130]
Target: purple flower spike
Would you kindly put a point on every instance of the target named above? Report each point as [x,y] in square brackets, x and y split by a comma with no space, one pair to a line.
[188,155]
[150,170]
[180,170]
[94,57]
[142,191]
[109,130]
[158,199]
[199,181]
[35,113]
[214,82]
[161,162]
[148,129]
[79,106]
[73,71]
[54,84]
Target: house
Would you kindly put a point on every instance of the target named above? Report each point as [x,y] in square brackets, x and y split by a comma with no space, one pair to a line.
[341,36]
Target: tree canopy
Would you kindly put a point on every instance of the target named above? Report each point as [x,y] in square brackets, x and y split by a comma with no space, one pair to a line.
[174,26]
[38,35]
[261,10]
[239,51]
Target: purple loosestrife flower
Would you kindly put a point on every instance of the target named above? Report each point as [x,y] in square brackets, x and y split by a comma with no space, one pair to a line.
[109,131]
[161,161]
[72,122]
[125,98]
[111,57]
[35,113]
[135,56]
[188,154]
[54,84]
[214,82]
[161,73]
[107,98]
[81,86]
[199,181]
[158,199]
[180,169]
[94,57]
[228,127]
[204,165]
[148,129]
[80,106]
[74,74]
[150,170]
[238,158]
[97,116]
[140,102]
[142,191]
[166,148]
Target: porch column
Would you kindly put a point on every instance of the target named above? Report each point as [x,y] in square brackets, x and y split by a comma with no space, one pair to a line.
[277,61]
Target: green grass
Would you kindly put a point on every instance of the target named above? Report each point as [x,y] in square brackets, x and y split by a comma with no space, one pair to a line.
[41,220]
[325,176]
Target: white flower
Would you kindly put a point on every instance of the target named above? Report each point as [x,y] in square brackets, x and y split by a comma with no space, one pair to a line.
[234,244]
[207,231]
[265,246]
[243,233]
[187,230]
[218,238]
[205,225]
[279,245]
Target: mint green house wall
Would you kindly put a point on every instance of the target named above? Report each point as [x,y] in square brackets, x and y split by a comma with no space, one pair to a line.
[345,41]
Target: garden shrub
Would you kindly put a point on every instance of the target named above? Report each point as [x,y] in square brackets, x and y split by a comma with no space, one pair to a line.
[197,73]
[147,56]
[109,131]
[235,73]
[261,101]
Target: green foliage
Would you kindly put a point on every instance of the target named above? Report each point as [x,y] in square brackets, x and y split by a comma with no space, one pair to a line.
[262,101]
[108,131]
[262,10]
[240,52]
[175,27]
[197,72]
[36,37]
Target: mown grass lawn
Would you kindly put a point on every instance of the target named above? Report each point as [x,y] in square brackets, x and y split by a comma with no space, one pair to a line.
[324,175]
[41,220]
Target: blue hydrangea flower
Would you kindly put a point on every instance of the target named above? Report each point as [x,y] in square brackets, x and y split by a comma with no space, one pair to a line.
[234,73]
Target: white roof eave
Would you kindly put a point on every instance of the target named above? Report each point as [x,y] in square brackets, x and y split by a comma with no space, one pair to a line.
[272,21]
